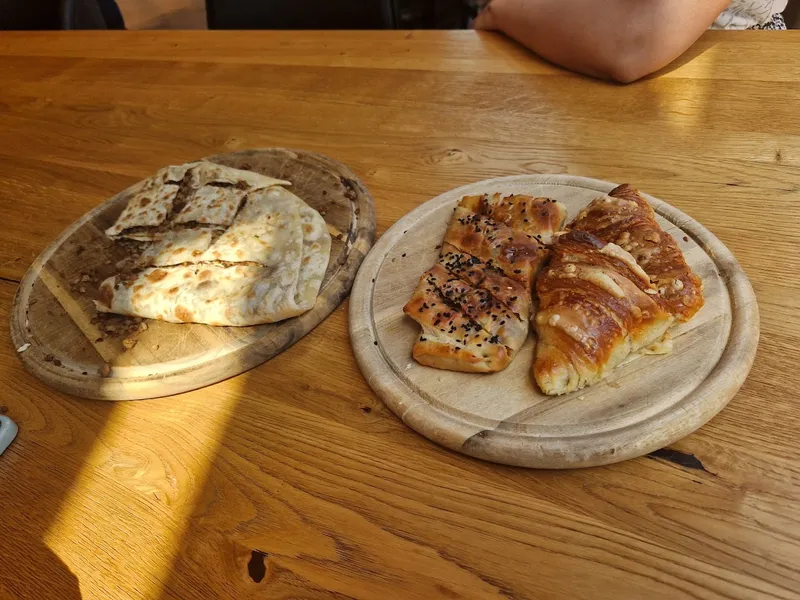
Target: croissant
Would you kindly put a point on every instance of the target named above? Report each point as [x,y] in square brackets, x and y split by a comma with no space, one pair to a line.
[614,285]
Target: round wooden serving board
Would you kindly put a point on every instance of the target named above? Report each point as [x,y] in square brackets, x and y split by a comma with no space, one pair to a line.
[54,323]
[647,403]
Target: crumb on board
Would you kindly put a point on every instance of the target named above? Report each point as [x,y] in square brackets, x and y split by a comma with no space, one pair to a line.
[52,359]
[129,342]
[24,347]
[105,370]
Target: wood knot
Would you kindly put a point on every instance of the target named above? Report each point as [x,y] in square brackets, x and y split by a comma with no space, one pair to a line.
[256,567]
[450,156]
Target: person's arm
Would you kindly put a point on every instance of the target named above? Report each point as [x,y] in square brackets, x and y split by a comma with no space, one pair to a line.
[622,40]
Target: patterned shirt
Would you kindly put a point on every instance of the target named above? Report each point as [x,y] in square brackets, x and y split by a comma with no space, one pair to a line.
[749,14]
[447,14]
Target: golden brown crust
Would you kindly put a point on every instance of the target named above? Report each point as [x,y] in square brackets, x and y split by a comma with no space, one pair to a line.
[518,255]
[480,306]
[628,220]
[441,355]
[475,272]
[474,305]
[450,339]
[594,309]
[539,217]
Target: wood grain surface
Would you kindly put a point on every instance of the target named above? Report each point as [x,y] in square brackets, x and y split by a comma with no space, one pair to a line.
[646,404]
[62,340]
[293,480]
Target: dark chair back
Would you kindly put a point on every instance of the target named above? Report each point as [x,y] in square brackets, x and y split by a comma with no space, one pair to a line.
[60,14]
[337,14]
[299,14]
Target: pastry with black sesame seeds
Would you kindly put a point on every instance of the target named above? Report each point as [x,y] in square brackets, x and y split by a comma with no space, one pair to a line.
[535,216]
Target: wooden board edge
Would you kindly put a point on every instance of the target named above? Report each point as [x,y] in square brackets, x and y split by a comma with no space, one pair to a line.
[500,446]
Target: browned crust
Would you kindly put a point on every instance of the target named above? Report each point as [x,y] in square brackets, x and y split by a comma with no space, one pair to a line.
[630,223]
[478,274]
[450,339]
[484,279]
[444,356]
[480,306]
[518,255]
[605,319]
[539,217]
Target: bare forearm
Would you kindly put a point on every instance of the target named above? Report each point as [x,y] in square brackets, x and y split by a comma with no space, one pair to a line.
[612,39]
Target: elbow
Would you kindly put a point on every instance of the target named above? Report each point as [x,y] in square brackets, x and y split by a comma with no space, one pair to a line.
[627,69]
[630,56]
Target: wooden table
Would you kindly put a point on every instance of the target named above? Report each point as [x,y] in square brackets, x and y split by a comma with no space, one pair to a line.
[293,480]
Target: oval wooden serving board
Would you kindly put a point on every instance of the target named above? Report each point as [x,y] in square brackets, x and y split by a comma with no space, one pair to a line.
[646,404]
[55,325]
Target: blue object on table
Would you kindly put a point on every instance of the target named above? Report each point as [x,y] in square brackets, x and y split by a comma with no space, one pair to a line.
[8,431]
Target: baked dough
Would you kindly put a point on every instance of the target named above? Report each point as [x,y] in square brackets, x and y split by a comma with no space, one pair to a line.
[615,283]
[246,252]
[474,305]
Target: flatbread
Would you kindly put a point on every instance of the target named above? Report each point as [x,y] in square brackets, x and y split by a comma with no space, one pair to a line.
[236,295]
[205,172]
[212,205]
[266,267]
[200,192]
[316,254]
[148,207]
[267,225]
[177,247]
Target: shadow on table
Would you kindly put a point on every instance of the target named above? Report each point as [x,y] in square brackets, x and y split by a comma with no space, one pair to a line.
[30,505]
[28,567]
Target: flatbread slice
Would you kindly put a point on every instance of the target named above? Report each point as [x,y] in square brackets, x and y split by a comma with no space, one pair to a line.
[316,254]
[266,226]
[212,205]
[176,247]
[148,207]
[201,192]
[204,173]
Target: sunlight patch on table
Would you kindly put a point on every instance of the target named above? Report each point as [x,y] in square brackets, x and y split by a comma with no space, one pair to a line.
[125,516]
